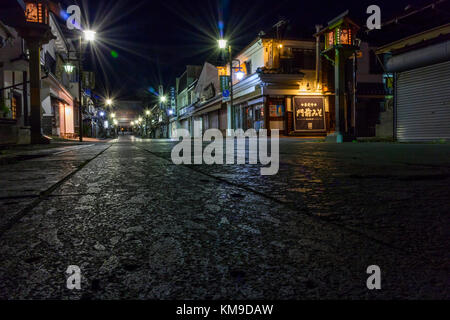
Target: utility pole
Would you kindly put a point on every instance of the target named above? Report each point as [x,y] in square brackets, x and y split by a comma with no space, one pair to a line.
[230,57]
[80,97]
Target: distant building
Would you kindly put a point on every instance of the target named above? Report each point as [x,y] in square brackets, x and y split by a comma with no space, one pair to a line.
[127,111]
[415,49]
[273,77]
[186,99]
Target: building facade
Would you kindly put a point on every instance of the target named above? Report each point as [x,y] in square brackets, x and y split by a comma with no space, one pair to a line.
[59,86]
[284,85]
[417,69]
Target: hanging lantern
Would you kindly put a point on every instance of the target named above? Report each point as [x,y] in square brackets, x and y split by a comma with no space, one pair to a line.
[69,68]
[344,36]
[36,11]
[340,33]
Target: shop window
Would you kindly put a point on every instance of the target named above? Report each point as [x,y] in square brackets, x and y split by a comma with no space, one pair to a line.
[248,66]
[14,112]
[259,117]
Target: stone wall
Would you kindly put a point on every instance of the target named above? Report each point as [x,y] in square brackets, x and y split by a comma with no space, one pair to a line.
[9,132]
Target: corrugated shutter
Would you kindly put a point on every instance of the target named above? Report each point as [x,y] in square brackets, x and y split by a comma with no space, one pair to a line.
[423,103]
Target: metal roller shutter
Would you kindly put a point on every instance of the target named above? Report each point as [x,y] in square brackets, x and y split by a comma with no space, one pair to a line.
[423,103]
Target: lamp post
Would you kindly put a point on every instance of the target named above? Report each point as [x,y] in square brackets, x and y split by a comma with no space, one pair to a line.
[163,100]
[147,115]
[340,41]
[223,44]
[89,35]
[113,119]
[140,126]
[116,123]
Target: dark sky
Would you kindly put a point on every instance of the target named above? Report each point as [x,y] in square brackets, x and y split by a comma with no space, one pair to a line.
[153,40]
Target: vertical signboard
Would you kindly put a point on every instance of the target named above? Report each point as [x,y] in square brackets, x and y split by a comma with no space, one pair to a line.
[173,100]
[309,114]
[225,88]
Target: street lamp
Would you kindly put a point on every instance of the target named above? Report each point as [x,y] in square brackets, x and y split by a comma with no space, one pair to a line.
[147,115]
[68,67]
[240,75]
[163,99]
[223,44]
[89,35]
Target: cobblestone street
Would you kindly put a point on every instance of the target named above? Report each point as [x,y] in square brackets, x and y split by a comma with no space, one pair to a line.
[140,227]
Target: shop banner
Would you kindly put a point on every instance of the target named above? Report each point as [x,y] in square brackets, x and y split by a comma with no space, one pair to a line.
[309,114]
[225,88]
[173,98]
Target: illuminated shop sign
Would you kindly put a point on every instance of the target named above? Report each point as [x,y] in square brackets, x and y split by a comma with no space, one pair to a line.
[309,114]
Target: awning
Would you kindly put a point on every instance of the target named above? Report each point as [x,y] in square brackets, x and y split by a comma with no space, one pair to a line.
[56,98]
[212,105]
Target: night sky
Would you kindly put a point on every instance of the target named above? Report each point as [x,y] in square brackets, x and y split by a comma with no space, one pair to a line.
[142,44]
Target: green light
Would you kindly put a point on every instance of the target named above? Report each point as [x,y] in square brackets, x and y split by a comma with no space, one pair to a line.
[114,54]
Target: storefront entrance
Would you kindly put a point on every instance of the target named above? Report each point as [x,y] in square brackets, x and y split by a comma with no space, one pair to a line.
[253,117]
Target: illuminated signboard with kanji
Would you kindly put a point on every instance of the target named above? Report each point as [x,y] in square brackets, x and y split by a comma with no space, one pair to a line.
[309,114]
[36,11]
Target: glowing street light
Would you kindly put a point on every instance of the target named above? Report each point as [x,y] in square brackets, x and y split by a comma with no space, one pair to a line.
[132,123]
[109,102]
[240,75]
[140,120]
[163,99]
[89,35]
[147,112]
[113,115]
[116,122]
[222,43]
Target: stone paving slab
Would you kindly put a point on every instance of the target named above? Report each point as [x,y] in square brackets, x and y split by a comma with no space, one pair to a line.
[142,228]
[25,180]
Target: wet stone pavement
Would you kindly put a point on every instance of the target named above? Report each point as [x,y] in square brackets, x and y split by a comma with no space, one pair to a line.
[140,227]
